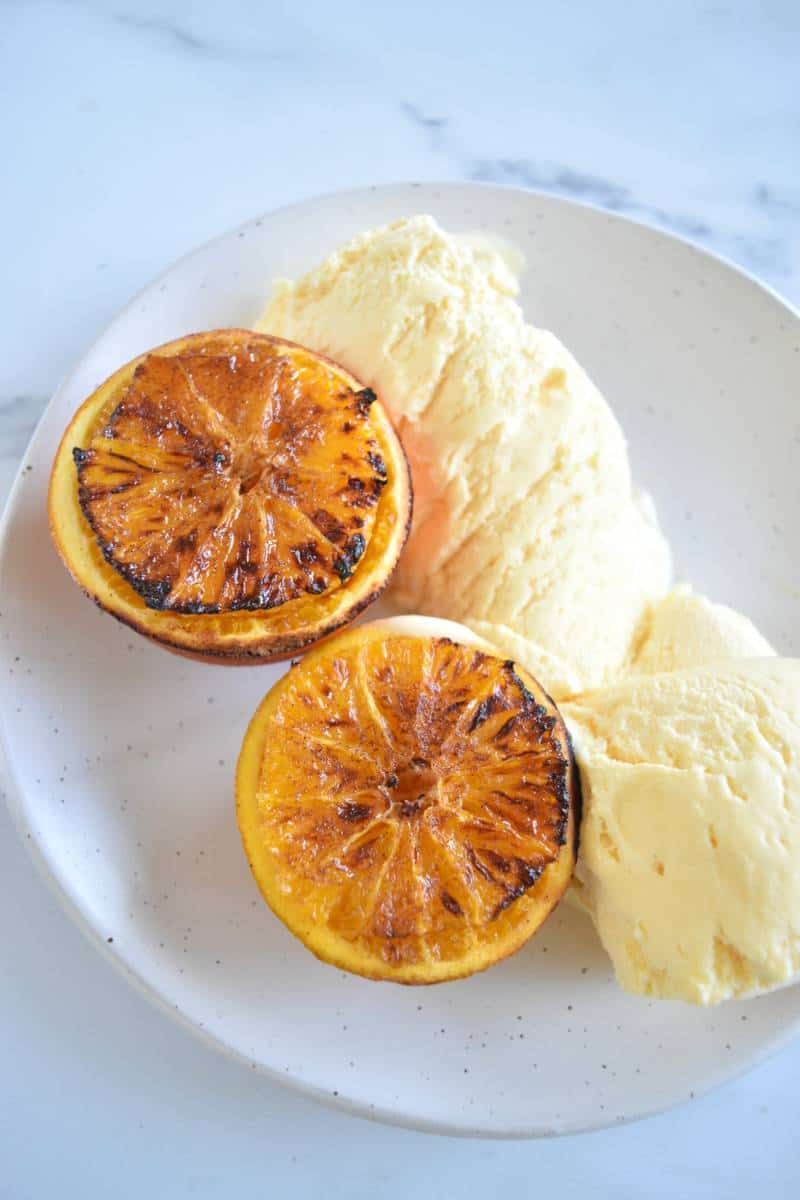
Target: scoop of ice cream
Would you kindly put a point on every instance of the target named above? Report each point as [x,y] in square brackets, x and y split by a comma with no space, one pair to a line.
[687,630]
[526,527]
[683,630]
[690,841]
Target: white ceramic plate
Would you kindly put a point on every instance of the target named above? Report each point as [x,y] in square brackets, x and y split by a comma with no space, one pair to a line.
[122,756]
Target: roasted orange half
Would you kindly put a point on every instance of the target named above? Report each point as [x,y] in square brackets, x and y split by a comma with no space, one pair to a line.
[231,495]
[407,802]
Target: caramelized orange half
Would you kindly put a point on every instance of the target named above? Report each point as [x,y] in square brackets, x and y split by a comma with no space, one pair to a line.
[231,495]
[406,804]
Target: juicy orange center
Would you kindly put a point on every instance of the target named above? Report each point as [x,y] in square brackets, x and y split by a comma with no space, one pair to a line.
[413,787]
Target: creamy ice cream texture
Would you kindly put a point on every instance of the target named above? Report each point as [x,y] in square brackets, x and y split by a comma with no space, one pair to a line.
[690,841]
[687,630]
[526,524]
[528,530]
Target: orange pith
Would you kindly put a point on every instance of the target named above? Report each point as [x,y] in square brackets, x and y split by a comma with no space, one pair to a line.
[405,804]
[232,495]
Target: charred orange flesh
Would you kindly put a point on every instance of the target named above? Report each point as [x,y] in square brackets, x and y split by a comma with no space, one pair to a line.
[235,484]
[233,476]
[406,805]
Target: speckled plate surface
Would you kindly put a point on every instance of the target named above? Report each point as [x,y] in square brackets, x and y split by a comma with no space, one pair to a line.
[122,756]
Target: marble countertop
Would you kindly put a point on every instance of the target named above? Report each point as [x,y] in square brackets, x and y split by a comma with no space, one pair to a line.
[131,133]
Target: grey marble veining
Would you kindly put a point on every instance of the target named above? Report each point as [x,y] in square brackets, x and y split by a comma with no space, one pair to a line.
[177,37]
[769,252]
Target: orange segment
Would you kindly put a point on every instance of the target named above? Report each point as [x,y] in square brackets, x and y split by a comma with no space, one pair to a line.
[405,803]
[231,495]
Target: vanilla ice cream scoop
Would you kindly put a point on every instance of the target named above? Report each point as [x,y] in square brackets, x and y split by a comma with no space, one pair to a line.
[690,842]
[526,525]
[687,630]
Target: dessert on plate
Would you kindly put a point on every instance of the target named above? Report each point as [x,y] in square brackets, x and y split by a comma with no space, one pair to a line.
[407,792]
[528,530]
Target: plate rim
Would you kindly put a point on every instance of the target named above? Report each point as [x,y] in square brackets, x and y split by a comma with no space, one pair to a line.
[46,869]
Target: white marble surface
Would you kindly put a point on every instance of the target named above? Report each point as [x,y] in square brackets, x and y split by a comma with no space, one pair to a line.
[133,131]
